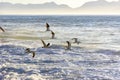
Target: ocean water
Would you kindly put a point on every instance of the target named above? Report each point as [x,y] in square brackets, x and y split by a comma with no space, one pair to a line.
[97,57]
[98,30]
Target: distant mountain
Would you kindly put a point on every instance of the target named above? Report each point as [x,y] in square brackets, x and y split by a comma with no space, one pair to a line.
[93,7]
[46,8]
[101,6]
[48,5]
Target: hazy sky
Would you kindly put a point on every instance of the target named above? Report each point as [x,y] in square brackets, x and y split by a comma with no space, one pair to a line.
[71,3]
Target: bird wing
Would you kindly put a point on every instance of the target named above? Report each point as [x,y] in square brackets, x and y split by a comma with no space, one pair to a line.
[33,54]
[52,32]
[2,29]
[47,25]
[68,45]
[43,43]
[48,44]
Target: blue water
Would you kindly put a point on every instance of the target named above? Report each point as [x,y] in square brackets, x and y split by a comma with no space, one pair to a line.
[64,21]
[88,29]
[97,57]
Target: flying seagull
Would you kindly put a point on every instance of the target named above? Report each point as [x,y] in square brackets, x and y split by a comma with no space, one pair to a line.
[29,51]
[76,40]
[45,45]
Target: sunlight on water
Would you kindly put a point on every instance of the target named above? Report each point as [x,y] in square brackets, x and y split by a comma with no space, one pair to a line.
[88,29]
[96,57]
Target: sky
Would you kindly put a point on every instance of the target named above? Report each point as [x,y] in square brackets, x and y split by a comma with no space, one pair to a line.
[71,3]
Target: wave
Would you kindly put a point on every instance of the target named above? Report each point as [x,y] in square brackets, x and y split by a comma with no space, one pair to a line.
[57,63]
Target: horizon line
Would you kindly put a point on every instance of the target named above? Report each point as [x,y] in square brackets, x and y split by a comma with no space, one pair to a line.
[59,15]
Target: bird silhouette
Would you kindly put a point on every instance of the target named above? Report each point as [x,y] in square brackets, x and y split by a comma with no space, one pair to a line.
[45,45]
[29,51]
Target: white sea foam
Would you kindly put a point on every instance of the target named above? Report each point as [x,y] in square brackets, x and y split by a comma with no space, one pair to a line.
[96,57]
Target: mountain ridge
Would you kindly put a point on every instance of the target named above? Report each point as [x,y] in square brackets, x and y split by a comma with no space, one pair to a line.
[100,6]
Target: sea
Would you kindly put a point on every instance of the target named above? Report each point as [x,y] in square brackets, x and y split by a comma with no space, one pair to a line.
[96,57]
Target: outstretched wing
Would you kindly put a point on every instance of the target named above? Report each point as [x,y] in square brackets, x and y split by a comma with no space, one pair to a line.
[68,45]
[52,33]
[2,29]
[33,54]
[43,43]
[48,44]
[47,25]
[27,50]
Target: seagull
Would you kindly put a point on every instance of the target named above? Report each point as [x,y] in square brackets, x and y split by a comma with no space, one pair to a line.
[45,45]
[2,29]
[53,34]
[29,51]
[68,46]
[76,40]
[47,27]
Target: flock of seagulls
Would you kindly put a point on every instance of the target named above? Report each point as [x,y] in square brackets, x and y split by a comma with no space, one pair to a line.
[47,45]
